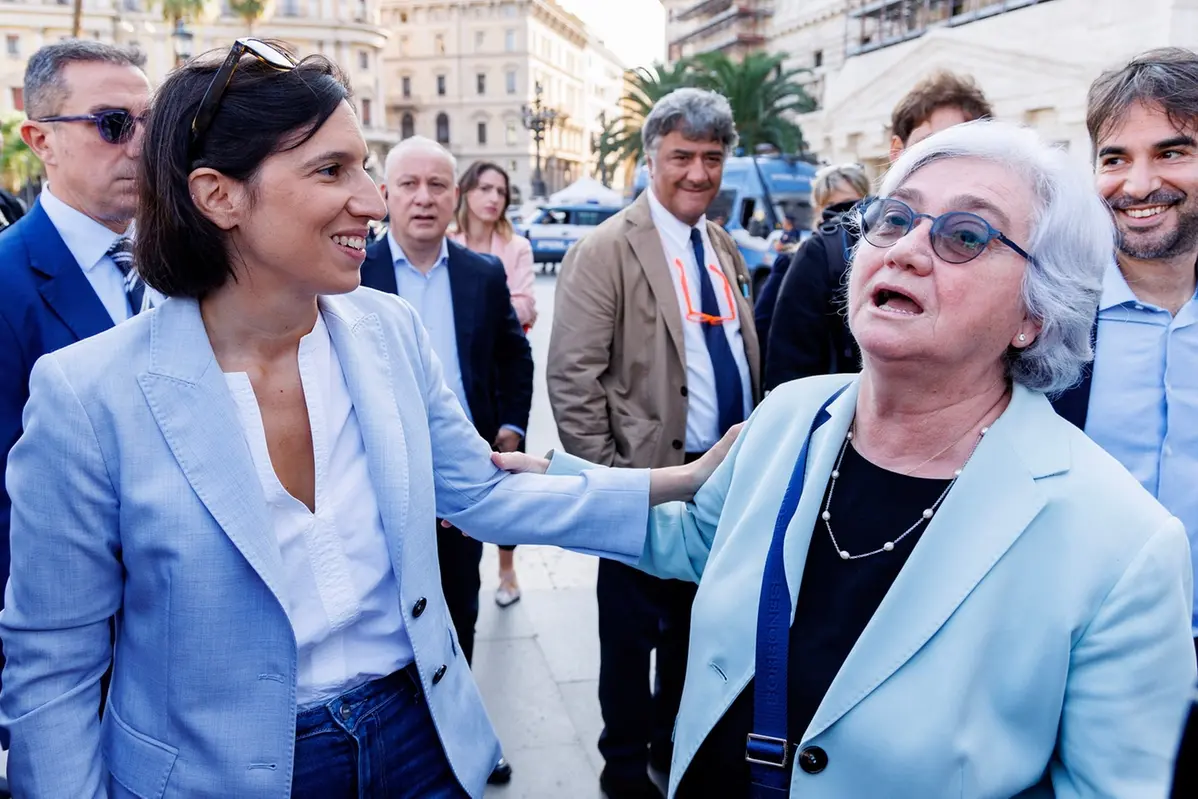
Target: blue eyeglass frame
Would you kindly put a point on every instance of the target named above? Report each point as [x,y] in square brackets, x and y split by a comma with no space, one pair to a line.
[938,225]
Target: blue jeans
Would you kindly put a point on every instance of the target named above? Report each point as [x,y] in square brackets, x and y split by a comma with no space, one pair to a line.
[376,741]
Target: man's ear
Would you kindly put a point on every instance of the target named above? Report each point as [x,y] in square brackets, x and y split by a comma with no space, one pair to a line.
[896,148]
[218,197]
[37,138]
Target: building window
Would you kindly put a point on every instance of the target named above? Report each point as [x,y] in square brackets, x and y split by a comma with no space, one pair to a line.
[439,44]
[441,85]
[443,128]
[510,79]
[366,113]
[818,58]
[131,5]
[291,8]
[481,82]
[407,127]
[363,59]
[18,98]
[12,43]
[509,40]
[406,84]
[482,132]
[479,38]
[510,134]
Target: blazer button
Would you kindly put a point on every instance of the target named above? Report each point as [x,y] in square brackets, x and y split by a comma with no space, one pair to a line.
[813,760]
[440,673]
[419,607]
[676,444]
[684,392]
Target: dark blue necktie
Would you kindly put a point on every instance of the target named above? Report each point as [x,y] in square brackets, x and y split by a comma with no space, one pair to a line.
[121,253]
[728,388]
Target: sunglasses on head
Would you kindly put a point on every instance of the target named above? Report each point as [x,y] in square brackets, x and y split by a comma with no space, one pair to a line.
[957,237]
[115,125]
[270,55]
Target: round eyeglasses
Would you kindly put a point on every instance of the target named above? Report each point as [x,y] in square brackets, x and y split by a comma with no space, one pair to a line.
[957,237]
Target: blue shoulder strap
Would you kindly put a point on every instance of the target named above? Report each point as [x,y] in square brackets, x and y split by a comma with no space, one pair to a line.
[767,749]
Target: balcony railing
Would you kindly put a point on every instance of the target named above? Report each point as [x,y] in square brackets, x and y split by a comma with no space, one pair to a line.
[875,24]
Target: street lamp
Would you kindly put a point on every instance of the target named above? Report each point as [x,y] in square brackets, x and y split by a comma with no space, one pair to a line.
[538,120]
[182,39]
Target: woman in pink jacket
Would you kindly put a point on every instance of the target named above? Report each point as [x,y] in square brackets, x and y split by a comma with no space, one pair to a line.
[484,193]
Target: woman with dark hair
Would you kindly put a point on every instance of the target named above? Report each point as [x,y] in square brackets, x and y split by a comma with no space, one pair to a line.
[245,480]
[484,194]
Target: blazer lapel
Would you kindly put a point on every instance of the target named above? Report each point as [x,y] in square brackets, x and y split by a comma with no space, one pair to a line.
[463,288]
[991,505]
[66,289]
[362,352]
[646,245]
[190,400]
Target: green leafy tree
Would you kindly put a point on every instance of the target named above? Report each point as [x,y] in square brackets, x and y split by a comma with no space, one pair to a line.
[764,97]
[249,10]
[176,11]
[18,164]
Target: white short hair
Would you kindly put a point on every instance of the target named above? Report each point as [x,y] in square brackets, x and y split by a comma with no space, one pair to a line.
[417,144]
[1072,242]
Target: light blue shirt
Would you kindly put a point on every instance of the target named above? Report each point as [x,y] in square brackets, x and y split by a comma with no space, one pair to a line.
[1144,400]
[431,296]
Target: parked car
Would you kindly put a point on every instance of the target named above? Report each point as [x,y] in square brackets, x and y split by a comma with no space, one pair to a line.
[556,227]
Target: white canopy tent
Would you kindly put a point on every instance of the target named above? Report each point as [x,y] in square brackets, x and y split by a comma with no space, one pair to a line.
[587,190]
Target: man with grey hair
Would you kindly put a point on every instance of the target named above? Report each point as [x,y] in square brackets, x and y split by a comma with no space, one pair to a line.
[462,298]
[66,266]
[1140,400]
[653,356]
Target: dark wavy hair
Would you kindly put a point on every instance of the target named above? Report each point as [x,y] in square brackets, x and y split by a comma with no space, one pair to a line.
[179,251]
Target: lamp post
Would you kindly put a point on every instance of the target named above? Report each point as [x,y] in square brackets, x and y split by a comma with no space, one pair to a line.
[597,147]
[538,120]
[182,39]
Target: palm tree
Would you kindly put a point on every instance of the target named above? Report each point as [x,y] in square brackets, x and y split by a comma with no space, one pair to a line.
[249,10]
[764,97]
[620,139]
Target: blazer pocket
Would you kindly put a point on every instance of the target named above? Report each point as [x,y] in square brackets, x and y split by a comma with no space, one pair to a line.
[141,764]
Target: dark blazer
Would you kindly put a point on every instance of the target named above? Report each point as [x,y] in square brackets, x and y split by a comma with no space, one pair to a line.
[1074,404]
[494,355]
[46,303]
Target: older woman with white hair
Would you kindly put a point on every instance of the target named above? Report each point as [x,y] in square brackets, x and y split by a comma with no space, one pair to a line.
[920,581]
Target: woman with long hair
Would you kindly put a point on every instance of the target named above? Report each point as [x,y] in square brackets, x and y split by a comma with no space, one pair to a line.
[484,194]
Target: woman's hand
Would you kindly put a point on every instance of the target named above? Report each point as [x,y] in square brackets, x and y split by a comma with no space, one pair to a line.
[681,483]
[713,457]
[517,462]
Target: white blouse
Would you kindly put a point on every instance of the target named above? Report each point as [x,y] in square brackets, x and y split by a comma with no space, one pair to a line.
[342,594]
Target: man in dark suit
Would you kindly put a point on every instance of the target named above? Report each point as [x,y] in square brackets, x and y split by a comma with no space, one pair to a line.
[463,300]
[65,266]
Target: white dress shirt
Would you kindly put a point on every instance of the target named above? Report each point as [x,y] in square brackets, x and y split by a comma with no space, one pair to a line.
[702,409]
[89,242]
[342,595]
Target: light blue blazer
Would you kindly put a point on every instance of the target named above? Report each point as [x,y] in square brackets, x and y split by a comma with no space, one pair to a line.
[135,495]
[1037,640]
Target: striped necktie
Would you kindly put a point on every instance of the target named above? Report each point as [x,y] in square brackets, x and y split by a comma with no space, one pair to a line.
[121,253]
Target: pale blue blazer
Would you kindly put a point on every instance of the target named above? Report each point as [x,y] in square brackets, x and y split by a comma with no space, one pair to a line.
[1037,640]
[135,495]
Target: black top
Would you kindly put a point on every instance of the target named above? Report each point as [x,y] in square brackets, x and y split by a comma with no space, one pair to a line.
[837,598]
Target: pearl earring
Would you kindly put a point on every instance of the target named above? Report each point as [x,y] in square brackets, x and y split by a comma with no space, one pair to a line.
[1022,337]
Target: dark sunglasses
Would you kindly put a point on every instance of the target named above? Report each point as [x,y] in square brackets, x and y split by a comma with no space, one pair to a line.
[115,125]
[957,237]
[270,55]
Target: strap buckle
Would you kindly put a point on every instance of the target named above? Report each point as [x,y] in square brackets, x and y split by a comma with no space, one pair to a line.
[764,750]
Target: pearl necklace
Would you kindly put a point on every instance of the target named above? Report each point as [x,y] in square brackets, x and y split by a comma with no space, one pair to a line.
[925,516]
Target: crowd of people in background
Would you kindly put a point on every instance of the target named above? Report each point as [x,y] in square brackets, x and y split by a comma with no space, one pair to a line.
[918,518]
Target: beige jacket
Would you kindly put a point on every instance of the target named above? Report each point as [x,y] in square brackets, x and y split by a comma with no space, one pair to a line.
[617,362]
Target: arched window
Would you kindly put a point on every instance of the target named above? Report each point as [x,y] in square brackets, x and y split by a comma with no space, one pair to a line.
[443,128]
[407,127]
